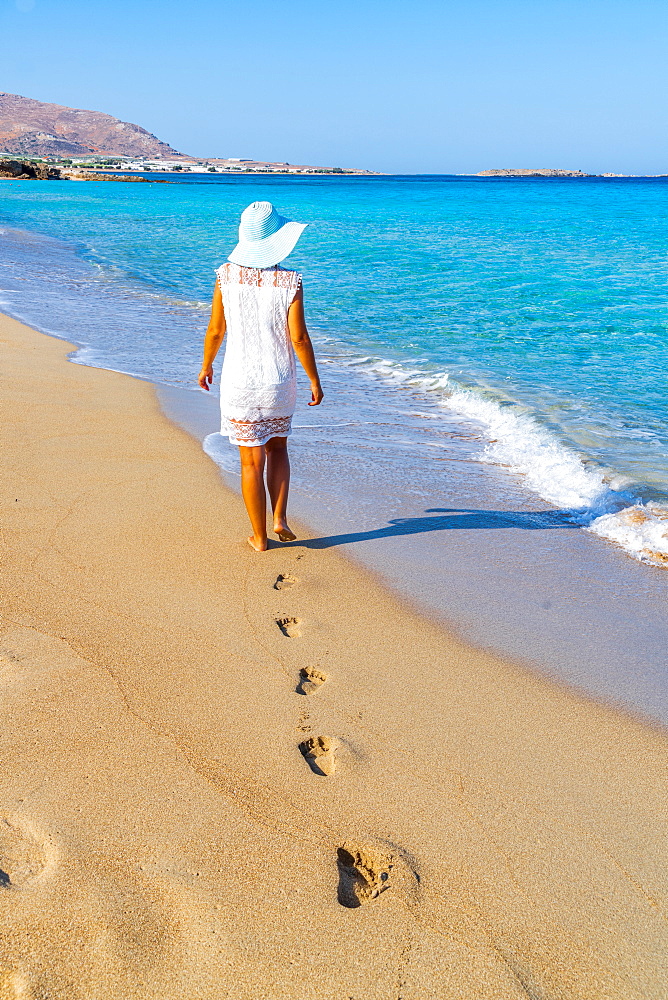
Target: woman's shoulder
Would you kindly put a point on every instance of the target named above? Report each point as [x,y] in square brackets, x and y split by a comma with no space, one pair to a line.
[287,276]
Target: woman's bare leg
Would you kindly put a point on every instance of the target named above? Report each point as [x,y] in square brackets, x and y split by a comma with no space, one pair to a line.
[253,492]
[278,483]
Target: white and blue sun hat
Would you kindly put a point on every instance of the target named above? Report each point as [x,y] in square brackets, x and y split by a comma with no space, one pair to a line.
[265,237]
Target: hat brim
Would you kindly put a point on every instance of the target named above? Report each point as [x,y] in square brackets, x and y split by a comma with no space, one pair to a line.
[269,251]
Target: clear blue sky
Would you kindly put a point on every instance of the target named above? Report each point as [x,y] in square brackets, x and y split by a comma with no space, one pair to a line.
[415,86]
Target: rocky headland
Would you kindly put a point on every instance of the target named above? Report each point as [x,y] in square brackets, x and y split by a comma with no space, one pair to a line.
[32,129]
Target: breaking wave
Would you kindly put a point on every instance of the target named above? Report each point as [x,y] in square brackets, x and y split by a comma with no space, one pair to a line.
[595,497]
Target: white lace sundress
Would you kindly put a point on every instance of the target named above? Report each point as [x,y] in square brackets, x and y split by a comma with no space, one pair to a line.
[258,383]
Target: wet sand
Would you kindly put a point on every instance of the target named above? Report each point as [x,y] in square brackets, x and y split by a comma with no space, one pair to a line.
[225,774]
[469,546]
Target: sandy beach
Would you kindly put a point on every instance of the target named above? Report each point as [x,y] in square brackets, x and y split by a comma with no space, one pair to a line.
[452,827]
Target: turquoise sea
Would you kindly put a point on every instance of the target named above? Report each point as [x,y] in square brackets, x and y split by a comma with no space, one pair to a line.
[533,312]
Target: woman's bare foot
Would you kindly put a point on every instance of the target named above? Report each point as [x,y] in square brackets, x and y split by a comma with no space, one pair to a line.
[283,531]
[256,546]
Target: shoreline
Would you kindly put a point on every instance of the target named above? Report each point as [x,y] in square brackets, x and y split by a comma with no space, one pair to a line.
[491,563]
[162,835]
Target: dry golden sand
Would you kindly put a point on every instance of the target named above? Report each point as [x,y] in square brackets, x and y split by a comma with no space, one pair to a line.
[478,832]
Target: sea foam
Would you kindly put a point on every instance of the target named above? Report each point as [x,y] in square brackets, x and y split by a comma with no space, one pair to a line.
[642,530]
[547,466]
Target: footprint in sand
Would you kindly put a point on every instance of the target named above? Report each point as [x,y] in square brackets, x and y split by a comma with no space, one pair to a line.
[289,626]
[318,752]
[303,723]
[24,855]
[285,580]
[362,876]
[310,680]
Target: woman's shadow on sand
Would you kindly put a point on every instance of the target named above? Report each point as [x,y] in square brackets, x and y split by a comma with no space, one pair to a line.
[451,519]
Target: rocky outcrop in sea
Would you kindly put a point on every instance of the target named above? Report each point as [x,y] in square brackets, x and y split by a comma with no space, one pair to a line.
[21,170]
[543,172]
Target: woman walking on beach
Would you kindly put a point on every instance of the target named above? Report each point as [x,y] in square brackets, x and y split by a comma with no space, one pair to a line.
[261,308]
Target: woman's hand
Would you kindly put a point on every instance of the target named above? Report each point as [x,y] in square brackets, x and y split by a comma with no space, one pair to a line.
[316,394]
[205,377]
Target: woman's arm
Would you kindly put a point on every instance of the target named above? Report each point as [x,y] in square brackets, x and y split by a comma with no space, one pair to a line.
[213,339]
[303,346]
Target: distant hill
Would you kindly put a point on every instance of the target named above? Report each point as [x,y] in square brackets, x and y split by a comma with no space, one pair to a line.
[31,128]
